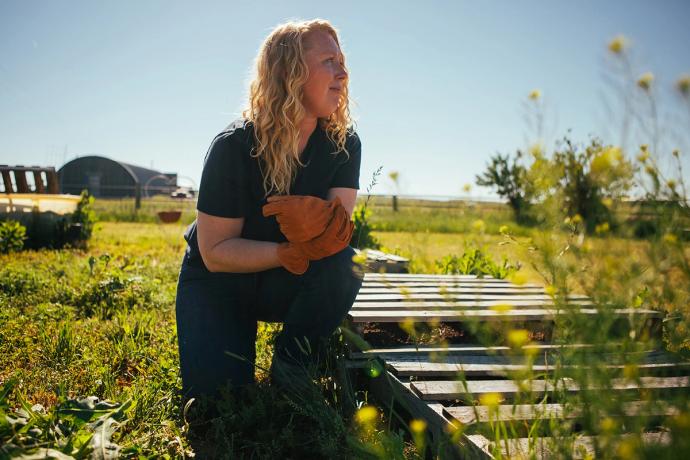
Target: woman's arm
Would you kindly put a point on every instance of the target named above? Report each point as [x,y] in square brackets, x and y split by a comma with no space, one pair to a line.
[222,249]
[348,197]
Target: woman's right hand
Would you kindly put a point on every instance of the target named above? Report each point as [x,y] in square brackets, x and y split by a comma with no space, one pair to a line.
[295,256]
[301,217]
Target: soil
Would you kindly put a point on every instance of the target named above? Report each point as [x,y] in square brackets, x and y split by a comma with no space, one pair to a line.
[391,334]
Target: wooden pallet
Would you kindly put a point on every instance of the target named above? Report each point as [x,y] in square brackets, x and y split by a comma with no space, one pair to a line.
[382,262]
[444,385]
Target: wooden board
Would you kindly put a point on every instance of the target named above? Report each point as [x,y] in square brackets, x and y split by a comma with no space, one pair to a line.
[395,296]
[416,364]
[469,415]
[541,314]
[436,283]
[520,447]
[476,349]
[451,389]
[469,304]
[496,290]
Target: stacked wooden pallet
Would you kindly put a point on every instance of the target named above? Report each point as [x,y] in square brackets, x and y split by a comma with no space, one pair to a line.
[445,385]
[382,262]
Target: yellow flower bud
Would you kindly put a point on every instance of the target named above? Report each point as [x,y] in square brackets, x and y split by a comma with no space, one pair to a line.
[645,81]
[618,44]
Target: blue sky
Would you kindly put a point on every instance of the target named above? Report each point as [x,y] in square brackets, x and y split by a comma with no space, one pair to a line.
[438,87]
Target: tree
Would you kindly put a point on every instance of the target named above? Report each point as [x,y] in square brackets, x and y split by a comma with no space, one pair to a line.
[509,178]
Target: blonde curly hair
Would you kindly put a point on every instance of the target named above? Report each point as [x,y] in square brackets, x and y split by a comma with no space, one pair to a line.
[275,103]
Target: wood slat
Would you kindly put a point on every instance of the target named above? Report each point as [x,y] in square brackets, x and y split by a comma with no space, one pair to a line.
[455,296]
[469,415]
[451,290]
[520,447]
[396,316]
[437,283]
[476,349]
[472,366]
[428,276]
[451,389]
[431,305]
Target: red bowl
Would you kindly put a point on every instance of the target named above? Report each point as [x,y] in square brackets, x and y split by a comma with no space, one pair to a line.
[169,217]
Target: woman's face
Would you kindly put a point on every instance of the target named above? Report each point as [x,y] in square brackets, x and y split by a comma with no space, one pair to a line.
[322,92]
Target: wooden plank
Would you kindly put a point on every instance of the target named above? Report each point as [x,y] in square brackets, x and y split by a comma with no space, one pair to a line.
[427,276]
[451,389]
[472,349]
[459,296]
[486,365]
[434,305]
[469,415]
[396,316]
[435,283]
[541,447]
[514,291]
[389,390]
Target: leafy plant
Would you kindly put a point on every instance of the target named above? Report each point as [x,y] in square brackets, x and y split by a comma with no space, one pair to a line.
[12,236]
[365,239]
[475,262]
[77,229]
[74,428]
[361,215]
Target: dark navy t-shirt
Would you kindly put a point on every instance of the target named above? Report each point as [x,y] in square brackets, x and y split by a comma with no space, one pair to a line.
[232,185]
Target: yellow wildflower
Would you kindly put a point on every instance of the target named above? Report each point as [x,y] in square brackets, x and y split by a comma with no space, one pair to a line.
[683,85]
[645,80]
[366,415]
[518,337]
[618,44]
[490,399]
[417,426]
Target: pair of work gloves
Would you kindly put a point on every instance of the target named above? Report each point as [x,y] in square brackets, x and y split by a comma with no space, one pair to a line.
[315,228]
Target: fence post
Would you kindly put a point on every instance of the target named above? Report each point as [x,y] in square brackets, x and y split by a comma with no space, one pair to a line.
[395,203]
[137,196]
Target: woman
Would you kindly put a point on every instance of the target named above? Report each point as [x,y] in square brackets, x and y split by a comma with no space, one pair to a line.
[271,237]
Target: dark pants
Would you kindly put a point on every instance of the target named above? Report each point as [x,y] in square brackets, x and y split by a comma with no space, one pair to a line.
[218,312]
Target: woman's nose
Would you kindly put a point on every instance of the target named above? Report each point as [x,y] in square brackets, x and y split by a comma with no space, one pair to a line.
[341,72]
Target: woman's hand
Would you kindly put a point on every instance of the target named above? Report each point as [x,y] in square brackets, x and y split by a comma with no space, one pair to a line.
[301,217]
[295,257]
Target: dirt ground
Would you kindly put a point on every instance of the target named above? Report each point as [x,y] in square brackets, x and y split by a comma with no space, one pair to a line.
[392,334]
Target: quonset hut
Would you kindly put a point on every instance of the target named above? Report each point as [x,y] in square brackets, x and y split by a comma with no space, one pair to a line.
[104,177]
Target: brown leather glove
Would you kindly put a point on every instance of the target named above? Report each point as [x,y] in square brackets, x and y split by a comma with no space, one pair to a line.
[301,217]
[334,239]
[295,257]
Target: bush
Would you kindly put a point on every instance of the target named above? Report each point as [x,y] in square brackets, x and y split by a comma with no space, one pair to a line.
[12,236]
[362,237]
[475,262]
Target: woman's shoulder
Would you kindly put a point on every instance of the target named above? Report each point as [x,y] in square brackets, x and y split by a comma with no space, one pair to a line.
[232,143]
[239,130]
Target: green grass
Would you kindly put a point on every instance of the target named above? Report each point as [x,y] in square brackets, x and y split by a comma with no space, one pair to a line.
[75,323]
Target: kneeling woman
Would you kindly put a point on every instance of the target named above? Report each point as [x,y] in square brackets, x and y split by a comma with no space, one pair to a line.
[273,227]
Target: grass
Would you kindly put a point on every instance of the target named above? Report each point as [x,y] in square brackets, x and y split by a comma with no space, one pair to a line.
[101,322]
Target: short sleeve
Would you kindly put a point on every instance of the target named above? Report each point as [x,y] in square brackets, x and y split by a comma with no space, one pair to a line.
[222,191]
[347,174]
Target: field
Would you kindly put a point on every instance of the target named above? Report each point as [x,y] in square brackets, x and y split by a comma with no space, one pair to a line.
[100,322]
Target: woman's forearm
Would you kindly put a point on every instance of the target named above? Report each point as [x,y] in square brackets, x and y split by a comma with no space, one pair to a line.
[242,255]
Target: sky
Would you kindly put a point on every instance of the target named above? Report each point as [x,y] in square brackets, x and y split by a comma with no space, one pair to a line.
[437,87]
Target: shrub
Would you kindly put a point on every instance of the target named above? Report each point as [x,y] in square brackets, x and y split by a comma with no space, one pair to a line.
[12,236]
[362,237]
[475,262]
